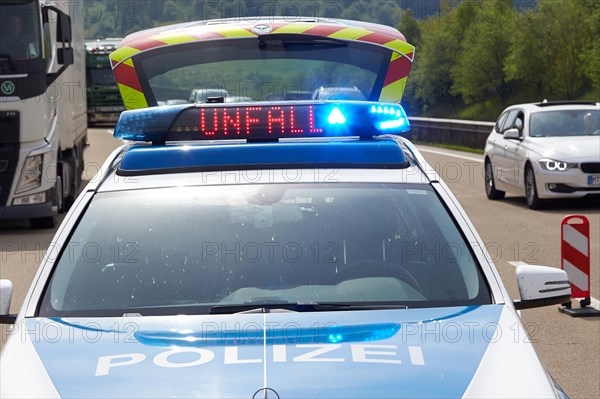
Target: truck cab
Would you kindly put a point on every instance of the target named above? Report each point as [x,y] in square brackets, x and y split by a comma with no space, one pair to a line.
[42,109]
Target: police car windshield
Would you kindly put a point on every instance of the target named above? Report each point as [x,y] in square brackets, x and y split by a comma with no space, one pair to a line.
[249,71]
[187,250]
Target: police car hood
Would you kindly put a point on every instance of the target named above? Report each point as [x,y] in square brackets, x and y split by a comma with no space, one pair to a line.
[432,353]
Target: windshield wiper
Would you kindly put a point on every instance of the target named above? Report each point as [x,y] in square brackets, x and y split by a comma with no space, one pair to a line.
[267,307]
[286,39]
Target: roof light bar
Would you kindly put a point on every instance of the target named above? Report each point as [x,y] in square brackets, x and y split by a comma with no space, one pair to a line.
[262,121]
[147,124]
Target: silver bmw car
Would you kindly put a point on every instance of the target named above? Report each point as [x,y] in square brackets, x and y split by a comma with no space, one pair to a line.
[544,150]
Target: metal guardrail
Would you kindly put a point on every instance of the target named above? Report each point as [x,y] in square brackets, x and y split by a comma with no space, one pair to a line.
[450,131]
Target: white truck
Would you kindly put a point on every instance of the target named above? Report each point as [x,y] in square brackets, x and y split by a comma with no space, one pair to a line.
[43,118]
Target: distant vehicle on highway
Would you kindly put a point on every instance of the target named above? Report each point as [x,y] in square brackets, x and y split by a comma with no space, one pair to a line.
[103,98]
[175,101]
[544,150]
[202,95]
[238,99]
[338,93]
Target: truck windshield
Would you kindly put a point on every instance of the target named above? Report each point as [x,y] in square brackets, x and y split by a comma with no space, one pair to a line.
[19,31]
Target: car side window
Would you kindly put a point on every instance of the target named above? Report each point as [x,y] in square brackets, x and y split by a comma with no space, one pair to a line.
[510,120]
[500,122]
[519,122]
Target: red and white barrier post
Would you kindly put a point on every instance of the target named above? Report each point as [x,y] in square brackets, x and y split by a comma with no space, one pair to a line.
[575,260]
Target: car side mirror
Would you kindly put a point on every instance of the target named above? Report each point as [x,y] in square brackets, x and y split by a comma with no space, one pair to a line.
[541,286]
[512,134]
[5,299]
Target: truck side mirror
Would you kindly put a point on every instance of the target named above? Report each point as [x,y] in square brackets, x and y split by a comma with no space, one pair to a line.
[65,55]
[64,36]
[541,286]
[63,28]
[63,24]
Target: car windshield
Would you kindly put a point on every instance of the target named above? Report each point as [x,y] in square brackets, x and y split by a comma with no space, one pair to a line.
[185,250]
[573,122]
[246,70]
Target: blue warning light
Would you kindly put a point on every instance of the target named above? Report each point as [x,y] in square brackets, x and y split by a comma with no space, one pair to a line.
[395,117]
[336,117]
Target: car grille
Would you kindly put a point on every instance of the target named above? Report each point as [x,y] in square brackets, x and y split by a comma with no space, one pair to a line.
[590,167]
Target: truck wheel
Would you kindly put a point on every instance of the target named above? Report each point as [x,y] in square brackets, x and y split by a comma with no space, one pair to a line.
[50,222]
[59,195]
[75,163]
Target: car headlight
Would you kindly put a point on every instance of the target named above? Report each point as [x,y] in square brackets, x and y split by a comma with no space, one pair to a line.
[31,175]
[554,165]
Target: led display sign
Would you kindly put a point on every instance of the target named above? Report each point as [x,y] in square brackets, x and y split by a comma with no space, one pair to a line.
[262,121]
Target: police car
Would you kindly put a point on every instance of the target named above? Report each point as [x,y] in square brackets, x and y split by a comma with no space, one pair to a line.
[271,249]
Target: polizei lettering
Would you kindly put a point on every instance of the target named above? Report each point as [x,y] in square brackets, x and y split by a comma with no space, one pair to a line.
[301,353]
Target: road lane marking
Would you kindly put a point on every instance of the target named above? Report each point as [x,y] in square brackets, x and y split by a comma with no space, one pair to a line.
[594,302]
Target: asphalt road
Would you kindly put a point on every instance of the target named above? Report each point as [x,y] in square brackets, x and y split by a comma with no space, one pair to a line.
[568,346]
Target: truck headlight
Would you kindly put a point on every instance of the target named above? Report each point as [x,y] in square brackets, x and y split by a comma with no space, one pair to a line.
[31,175]
[554,165]
[38,198]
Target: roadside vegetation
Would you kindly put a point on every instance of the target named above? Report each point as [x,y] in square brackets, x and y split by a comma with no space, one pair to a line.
[480,57]
[473,57]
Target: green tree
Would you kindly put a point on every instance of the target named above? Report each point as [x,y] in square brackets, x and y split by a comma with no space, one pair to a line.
[386,12]
[409,26]
[591,52]
[434,61]
[478,74]
[525,64]
[436,56]
[565,38]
